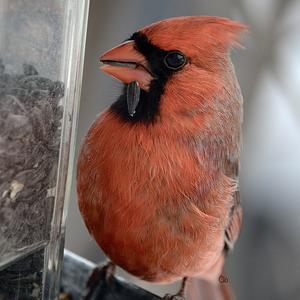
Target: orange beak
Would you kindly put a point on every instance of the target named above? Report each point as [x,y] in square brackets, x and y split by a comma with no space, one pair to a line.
[127,65]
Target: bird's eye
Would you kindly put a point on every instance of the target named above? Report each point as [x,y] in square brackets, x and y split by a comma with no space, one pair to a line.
[175,60]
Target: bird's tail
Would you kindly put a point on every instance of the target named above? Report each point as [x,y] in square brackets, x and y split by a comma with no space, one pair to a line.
[200,289]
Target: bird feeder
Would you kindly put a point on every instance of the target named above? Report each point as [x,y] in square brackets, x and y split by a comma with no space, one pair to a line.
[41,59]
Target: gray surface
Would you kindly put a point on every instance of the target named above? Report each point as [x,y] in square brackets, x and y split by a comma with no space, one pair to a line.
[75,274]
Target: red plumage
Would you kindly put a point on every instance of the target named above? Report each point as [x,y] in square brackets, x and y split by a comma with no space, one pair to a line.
[161,198]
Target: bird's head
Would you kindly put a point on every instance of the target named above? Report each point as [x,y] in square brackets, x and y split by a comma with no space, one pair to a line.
[179,64]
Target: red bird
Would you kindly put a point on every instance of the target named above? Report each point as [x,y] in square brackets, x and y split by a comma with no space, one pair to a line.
[158,171]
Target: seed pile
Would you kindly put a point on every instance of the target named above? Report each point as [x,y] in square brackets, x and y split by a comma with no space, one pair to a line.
[23,280]
[30,132]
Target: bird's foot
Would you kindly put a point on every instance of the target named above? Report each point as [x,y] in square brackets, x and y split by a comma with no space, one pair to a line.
[173,297]
[99,274]
[105,272]
[181,294]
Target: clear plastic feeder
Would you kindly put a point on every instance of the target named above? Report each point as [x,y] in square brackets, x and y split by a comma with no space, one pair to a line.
[41,59]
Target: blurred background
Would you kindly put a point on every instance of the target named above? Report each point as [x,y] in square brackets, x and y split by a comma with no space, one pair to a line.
[266,262]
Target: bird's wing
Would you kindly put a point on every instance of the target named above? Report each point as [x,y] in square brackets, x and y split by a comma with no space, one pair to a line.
[236,214]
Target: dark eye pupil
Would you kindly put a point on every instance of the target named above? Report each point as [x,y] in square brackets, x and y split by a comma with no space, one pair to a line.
[175,60]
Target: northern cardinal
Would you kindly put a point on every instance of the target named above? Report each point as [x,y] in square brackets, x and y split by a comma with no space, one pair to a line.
[157,176]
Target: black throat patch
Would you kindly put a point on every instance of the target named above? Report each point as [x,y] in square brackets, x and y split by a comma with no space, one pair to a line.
[147,110]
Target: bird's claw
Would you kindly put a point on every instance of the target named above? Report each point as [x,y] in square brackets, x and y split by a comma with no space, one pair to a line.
[105,273]
[173,297]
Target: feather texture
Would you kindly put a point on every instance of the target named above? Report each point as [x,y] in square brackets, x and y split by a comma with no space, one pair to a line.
[161,197]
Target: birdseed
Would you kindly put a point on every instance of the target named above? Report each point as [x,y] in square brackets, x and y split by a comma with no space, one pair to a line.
[30,133]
